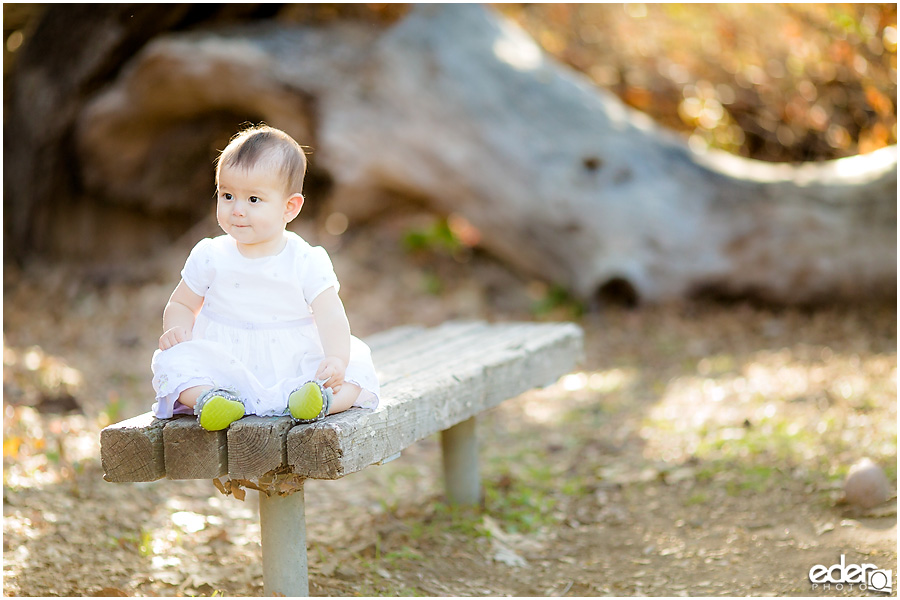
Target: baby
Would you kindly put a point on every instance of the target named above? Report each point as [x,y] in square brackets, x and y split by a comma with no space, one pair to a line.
[256,326]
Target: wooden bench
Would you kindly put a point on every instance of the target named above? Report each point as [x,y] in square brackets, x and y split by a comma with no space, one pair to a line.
[433,380]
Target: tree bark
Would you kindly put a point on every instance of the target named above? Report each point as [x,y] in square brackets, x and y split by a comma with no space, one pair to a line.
[72,52]
[458,107]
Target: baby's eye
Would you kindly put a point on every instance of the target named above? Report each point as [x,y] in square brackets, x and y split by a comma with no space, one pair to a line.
[226,196]
[254,199]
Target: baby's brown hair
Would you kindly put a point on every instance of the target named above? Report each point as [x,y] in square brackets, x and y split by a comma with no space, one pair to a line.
[254,143]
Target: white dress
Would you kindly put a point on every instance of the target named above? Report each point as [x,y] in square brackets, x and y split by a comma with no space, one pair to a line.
[255,333]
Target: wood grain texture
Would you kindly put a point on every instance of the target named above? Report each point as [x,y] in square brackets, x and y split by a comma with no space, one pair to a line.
[192,452]
[442,385]
[447,340]
[393,336]
[256,445]
[132,450]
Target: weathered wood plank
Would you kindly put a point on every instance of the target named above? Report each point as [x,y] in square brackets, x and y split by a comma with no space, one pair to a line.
[414,365]
[475,349]
[192,452]
[545,356]
[403,356]
[431,379]
[400,359]
[256,445]
[447,388]
[447,342]
[132,450]
[390,337]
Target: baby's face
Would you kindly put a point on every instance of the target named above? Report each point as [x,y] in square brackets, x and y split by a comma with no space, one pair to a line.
[252,207]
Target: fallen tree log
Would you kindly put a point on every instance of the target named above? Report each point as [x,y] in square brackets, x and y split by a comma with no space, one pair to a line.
[457,107]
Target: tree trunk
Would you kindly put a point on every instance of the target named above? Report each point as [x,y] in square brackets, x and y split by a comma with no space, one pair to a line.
[71,53]
[458,107]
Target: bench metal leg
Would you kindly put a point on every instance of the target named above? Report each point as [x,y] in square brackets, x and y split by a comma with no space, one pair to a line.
[282,523]
[462,477]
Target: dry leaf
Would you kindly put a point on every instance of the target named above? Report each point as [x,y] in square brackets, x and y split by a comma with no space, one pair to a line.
[238,492]
[109,592]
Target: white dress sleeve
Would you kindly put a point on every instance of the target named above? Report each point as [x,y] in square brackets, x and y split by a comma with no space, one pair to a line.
[199,268]
[319,274]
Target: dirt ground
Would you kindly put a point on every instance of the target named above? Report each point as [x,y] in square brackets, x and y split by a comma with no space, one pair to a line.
[700,449]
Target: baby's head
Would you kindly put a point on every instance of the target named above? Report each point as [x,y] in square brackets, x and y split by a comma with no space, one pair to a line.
[259,181]
[264,147]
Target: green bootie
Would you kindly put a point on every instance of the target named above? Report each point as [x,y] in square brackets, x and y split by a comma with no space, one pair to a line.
[218,408]
[309,402]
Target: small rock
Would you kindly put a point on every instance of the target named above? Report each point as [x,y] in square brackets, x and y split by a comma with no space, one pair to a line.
[866,485]
[824,528]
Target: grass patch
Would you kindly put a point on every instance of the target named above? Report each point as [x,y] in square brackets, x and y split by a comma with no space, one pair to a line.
[520,508]
[438,237]
[697,498]
[556,300]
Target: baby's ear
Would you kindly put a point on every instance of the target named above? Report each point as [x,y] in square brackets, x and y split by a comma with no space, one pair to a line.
[292,209]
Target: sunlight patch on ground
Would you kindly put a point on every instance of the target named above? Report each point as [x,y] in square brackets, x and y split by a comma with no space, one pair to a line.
[548,405]
[46,439]
[190,522]
[603,382]
[40,450]
[34,365]
[780,403]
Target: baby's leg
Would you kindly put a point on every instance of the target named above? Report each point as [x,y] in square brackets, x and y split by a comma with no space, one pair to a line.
[345,398]
[189,396]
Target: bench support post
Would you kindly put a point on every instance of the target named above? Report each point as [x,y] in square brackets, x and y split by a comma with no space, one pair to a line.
[462,477]
[282,523]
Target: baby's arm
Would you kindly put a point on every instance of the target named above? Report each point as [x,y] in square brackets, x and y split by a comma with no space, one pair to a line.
[334,331]
[179,315]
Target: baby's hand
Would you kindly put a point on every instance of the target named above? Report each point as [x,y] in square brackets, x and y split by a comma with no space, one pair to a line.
[174,336]
[332,370]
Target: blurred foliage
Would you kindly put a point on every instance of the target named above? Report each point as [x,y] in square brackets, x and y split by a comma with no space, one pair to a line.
[774,82]
[437,237]
[554,302]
